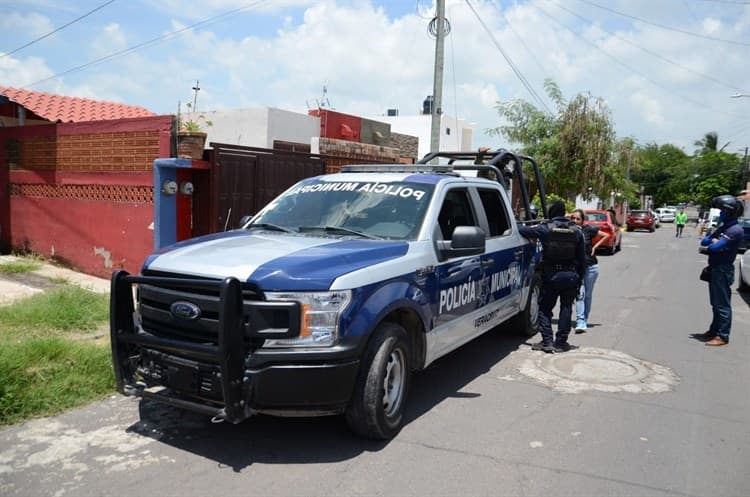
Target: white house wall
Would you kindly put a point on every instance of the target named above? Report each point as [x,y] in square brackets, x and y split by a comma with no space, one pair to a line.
[459,139]
[258,127]
[292,127]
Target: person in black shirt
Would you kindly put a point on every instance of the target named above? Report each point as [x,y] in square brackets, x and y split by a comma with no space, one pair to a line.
[586,292]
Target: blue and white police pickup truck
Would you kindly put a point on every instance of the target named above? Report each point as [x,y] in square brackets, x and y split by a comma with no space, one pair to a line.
[332,296]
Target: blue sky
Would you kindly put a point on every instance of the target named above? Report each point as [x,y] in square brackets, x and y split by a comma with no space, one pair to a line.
[666,68]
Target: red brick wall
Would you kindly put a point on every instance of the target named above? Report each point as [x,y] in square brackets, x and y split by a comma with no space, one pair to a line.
[83,192]
[339,153]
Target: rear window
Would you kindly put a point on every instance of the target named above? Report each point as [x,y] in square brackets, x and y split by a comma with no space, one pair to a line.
[596,216]
[639,213]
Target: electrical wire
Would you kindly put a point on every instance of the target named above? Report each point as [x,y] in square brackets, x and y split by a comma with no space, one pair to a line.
[653,54]
[152,41]
[56,30]
[668,28]
[631,69]
[507,58]
[534,58]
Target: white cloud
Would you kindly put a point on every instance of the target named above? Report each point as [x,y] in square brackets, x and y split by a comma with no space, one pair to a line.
[18,71]
[372,58]
[31,26]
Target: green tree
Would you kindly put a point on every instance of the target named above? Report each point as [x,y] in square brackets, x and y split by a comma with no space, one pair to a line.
[716,173]
[665,173]
[574,147]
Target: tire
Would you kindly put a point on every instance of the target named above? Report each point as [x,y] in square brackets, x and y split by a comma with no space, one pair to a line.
[619,245]
[613,250]
[652,229]
[377,407]
[526,322]
[743,287]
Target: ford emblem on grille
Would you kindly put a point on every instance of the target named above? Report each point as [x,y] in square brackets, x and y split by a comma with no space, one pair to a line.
[185,310]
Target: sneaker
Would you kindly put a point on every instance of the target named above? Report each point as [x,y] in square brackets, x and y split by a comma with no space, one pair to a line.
[581,328]
[544,346]
[562,347]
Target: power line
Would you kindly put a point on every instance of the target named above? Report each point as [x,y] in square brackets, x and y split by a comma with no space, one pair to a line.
[534,58]
[662,26]
[631,69]
[56,30]
[147,43]
[653,54]
[507,58]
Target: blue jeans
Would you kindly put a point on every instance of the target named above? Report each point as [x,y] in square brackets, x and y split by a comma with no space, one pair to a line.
[583,304]
[563,285]
[720,293]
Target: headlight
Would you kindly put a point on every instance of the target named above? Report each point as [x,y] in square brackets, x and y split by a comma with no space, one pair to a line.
[320,317]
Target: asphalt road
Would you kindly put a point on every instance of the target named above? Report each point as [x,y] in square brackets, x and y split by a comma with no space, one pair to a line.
[641,410]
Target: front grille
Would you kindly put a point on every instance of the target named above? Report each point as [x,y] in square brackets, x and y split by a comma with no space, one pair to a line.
[260,319]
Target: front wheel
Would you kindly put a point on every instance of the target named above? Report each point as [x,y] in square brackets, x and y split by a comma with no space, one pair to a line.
[377,406]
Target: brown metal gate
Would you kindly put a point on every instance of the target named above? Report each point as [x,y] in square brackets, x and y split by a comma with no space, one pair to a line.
[245,179]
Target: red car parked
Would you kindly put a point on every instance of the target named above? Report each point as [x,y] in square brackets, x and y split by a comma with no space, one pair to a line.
[641,220]
[604,221]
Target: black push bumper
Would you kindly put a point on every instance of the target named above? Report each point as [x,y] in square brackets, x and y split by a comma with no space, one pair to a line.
[206,364]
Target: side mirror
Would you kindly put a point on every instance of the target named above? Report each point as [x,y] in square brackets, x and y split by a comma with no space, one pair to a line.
[245,220]
[466,240]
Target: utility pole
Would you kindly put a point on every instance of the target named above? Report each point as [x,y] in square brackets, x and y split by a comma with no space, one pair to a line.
[196,89]
[437,89]
[745,172]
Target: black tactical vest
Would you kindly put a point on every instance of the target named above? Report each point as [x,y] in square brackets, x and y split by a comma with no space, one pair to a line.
[560,249]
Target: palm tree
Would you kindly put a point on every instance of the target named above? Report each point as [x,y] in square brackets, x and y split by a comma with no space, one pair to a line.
[710,143]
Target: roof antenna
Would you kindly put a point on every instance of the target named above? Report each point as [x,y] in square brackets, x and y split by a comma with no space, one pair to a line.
[323,102]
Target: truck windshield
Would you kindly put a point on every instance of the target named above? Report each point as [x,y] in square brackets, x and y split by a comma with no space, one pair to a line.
[391,210]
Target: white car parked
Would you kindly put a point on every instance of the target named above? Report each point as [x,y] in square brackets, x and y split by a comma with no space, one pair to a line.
[666,214]
[745,272]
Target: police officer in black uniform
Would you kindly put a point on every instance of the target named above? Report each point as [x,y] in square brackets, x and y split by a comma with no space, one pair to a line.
[563,264]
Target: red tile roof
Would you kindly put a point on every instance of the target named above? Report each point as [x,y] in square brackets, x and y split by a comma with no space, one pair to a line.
[59,108]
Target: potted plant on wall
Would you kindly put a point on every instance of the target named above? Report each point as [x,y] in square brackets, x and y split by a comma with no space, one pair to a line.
[191,139]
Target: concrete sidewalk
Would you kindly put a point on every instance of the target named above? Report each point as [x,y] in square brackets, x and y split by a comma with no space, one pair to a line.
[21,285]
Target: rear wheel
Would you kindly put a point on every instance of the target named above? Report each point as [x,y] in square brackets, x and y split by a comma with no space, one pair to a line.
[377,406]
[526,322]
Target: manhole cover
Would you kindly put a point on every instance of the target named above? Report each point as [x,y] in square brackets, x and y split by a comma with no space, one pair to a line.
[598,369]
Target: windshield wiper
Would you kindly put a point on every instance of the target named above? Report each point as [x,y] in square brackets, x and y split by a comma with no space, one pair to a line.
[338,229]
[269,226]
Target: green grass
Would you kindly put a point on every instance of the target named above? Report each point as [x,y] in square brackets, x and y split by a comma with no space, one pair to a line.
[49,359]
[20,266]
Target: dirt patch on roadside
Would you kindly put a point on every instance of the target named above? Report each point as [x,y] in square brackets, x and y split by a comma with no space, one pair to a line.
[31,280]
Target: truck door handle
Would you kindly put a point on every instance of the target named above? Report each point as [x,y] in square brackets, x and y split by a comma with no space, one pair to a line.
[488,263]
